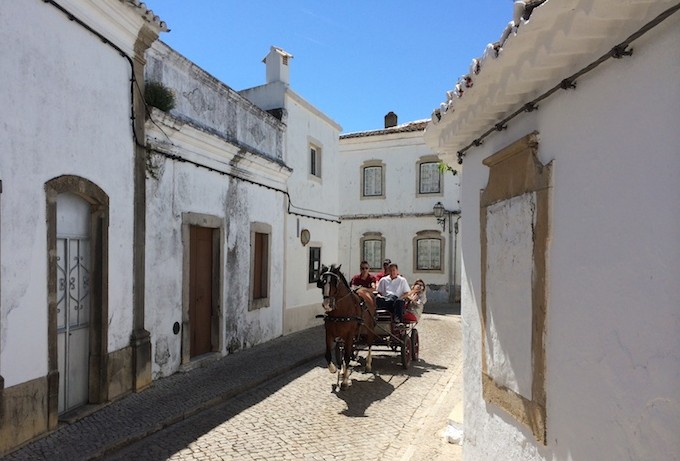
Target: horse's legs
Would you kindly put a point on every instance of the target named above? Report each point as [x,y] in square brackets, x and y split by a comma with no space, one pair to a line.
[349,347]
[329,346]
[369,359]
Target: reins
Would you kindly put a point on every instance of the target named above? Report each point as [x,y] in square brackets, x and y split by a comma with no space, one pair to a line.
[362,303]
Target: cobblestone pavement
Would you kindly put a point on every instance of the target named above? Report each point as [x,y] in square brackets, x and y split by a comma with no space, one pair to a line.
[390,414]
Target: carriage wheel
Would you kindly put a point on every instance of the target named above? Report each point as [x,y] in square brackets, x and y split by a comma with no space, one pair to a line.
[406,350]
[415,345]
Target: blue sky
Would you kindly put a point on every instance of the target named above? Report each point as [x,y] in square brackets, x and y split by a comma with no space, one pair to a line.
[355,60]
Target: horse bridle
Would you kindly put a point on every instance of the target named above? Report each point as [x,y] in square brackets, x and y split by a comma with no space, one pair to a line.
[323,278]
[323,281]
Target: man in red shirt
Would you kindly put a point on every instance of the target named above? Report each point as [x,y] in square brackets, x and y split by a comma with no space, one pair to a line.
[363,278]
[384,272]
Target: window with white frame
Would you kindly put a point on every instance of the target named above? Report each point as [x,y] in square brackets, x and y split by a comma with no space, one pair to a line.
[315,160]
[429,178]
[429,253]
[372,179]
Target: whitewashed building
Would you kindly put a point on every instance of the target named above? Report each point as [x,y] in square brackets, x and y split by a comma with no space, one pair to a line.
[312,216]
[569,128]
[215,208]
[71,256]
[391,184]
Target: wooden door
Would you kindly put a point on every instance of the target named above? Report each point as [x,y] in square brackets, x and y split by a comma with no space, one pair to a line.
[200,289]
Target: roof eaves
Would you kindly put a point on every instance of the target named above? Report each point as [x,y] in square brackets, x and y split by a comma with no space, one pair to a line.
[418,125]
[147,14]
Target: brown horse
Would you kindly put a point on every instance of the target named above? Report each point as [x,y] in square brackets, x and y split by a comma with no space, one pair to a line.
[349,314]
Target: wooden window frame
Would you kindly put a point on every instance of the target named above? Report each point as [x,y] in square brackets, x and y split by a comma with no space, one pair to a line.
[260,265]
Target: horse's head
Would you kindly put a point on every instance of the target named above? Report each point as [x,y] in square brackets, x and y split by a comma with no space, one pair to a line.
[330,281]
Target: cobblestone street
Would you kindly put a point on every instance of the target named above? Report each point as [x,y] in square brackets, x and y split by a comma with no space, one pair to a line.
[390,414]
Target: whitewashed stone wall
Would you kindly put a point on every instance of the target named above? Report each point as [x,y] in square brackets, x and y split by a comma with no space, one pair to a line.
[65,111]
[612,350]
[236,146]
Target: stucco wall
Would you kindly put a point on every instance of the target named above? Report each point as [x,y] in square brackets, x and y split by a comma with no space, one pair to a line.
[612,344]
[313,196]
[183,188]
[66,110]
[309,197]
[217,136]
[205,101]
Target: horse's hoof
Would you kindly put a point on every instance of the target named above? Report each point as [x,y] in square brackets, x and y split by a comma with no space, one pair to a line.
[344,386]
[332,368]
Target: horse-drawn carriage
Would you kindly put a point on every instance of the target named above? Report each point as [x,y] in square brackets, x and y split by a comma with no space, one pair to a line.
[352,322]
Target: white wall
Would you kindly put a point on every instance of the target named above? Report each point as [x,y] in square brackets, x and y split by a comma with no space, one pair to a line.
[309,196]
[613,350]
[215,127]
[65,110]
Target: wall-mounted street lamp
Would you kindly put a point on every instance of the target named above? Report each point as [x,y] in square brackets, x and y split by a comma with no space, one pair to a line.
[439,212]
[443,215]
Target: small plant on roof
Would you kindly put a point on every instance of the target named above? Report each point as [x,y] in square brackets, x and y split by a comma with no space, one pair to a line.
[160,96]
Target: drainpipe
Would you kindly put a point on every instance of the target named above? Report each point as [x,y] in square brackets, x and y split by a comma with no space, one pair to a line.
[453,235]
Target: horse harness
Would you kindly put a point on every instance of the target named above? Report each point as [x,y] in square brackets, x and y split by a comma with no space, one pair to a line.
[362,305]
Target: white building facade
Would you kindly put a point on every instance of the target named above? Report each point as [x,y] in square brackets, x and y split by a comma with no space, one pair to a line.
[312,216]
[391,184]
[69,168]
[571,262]
[215,207]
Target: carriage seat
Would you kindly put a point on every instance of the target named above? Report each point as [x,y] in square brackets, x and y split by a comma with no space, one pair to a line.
[383,319]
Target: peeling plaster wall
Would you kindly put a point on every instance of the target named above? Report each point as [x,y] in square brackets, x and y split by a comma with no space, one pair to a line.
[66,110]
[183,188]
[510,261]
[212,126]
[613,349]
[209,103]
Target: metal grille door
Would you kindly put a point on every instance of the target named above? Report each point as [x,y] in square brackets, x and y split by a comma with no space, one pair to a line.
[73,303]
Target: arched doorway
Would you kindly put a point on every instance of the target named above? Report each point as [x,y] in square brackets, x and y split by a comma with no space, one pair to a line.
[77,235]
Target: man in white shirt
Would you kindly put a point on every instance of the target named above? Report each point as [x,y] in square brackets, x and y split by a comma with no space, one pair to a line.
[390,289]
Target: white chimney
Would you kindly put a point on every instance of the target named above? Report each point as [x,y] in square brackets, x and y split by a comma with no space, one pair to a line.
[278,68]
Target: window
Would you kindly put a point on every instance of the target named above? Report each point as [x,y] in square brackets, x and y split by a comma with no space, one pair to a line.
[429,254]
[429,178]
[261,262]
[314,264]
[372,251]
[315,161]
[372,179]
[260,254]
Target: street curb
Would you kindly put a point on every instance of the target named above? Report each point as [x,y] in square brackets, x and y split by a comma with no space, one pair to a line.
[227,395]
